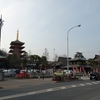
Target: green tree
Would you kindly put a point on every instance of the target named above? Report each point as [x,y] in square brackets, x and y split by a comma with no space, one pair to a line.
[3,63]
[24,60]
[3,53]
[36,60]
[92,62]
[14,61]
[44,62]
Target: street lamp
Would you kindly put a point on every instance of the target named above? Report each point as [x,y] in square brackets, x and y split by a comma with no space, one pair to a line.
[68,45]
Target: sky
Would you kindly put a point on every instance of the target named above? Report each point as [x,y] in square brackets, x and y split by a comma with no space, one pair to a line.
[45,24]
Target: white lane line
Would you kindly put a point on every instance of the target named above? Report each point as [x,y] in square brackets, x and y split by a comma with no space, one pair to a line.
[13,96]
[81,84]
[30,93]
[98,81]
[63,87]
[43,91]
[73,85]
[49,90]
[94,82]
[89,83]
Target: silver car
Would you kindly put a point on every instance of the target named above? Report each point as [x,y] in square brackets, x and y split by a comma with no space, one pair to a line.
[9,73]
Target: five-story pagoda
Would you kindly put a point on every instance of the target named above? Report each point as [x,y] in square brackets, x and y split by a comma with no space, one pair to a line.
[16,47]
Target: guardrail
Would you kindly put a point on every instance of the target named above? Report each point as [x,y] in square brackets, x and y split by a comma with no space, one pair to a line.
[77,75]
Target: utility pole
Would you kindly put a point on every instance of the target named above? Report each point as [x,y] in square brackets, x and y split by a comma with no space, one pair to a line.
[1,24]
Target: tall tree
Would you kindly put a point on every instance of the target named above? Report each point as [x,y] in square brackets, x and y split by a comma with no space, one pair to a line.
[24,59]
[35,60]
[46,54]
[44,62]
[4,63]
[14,61]
[55,57]
[3,53]
[92,62]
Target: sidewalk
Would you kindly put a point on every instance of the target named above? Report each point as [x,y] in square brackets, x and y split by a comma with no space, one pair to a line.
[15,83]
[85,77]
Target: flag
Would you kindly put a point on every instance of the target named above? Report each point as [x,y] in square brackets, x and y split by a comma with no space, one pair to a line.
[83,69]
[93,69]
[73,69]
[96,69]
[77,70]
[80,69]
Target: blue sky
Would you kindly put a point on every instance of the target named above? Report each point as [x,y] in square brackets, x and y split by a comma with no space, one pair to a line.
[45,23]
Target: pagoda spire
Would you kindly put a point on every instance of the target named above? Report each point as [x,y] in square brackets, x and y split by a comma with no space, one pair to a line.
[17,34]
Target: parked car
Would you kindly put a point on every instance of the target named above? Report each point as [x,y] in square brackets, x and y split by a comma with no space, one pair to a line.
[68,72]
[23,74]
[95,76]
[17,70]
[9,73]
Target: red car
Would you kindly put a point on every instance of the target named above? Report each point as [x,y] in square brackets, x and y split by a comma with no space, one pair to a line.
[23,74]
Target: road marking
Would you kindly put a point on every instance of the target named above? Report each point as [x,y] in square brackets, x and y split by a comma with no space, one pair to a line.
[30,93]
[40,91]
[47,90]
[63,87]
[13,96]
[94,82]
[98,81]
[81,84]
[89,83]
[73,85]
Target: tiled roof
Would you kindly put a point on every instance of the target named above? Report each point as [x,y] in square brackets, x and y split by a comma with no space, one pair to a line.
[84,59]
[17,41]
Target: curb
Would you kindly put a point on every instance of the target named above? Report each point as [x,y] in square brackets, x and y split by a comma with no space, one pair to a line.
[1,87]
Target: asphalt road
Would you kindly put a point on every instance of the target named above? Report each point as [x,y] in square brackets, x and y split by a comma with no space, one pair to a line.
[75,93]
[73,90]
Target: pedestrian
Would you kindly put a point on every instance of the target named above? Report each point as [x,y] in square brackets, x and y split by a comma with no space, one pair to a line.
[43,76]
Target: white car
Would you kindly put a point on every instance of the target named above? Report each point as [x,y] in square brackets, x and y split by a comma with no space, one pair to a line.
[68,71]
[9,73]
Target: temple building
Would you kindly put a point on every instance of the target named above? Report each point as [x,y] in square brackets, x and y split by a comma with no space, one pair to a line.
[79,62]
[16,47]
